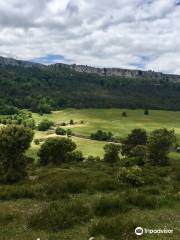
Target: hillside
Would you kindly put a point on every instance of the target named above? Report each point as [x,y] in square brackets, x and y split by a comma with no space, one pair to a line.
[42,88]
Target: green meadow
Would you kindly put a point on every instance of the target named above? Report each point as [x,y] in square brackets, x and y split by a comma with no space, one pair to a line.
[107,120]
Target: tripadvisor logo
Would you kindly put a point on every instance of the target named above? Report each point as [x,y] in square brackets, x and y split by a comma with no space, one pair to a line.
[140,231]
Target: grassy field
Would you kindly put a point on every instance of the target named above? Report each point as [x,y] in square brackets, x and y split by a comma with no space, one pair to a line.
[108,120]
[76,201]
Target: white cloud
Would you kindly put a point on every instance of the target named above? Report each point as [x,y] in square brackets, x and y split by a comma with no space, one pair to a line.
[112,33]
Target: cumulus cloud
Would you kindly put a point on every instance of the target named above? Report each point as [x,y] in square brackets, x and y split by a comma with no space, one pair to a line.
[128,33]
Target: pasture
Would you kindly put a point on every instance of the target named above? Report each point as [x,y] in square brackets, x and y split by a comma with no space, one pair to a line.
[107,120]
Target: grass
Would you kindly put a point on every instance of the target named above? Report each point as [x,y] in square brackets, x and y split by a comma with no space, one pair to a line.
[107,120]
[83,200]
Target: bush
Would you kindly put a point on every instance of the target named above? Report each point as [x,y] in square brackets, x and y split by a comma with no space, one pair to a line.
[69,132]
[123,114]
[146,112]
[143,200]
[101,136]
[14,141]
[60,215]
[18,192]
[159,143]
[71,122]
[37,141]
[60,131]
[55,150]
[114,228]
[110,205]
[92,159]
[132,161]
[132,176]
[111,153]
[44,125]
[75,156]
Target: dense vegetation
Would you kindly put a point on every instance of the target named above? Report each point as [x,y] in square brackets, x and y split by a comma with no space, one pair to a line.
[54,87]
[69,196]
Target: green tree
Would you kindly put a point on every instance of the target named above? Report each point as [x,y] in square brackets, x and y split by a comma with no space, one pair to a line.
[44,125]
[159,143]
[55,150]
[14,141]
[60,131]
[135,138]
[111,153]
[146,112]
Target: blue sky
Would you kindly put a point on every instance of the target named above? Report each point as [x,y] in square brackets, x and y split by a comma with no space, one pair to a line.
[140,34]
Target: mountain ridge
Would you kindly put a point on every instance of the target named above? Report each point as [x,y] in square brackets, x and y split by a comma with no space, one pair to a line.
[118,72]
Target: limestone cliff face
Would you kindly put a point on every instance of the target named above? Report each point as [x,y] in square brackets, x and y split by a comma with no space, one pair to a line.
[93,70]
[123,72]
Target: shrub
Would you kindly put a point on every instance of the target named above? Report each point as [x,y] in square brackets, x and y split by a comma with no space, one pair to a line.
[60,215]
[114,228]
[101,136]
[60,131]
[55,150]
[123,114]
[132,176]
[92,159]
[132,161]
[143,200]
[159,144]
[37,141]
[110,205]
[71,122]
[111,153]
[69,132]
[136,137]
[14,141]
[76,156]
[146,112]
[44,125]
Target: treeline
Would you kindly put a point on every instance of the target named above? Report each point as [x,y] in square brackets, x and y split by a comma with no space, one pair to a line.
[46,89]
[138,149]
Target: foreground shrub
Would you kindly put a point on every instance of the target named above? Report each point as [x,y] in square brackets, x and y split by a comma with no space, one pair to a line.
[110,205]
[61,189]
[143,200]
[111,153]
[132,161]
[55,150]
[114,228]
[159,144]
[19,192]
[136,137]
[75,156]
[132,176]
[14,141]
[60,215]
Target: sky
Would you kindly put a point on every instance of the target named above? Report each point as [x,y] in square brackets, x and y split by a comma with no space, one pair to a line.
[143,34]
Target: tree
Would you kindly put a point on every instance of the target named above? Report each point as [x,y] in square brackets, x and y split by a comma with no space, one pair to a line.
[124,114]
[71,122]
[60,131]
[135,138]
[55,150]
[146,112]
[111,153]
[14,141]
[158,146]
[44,125]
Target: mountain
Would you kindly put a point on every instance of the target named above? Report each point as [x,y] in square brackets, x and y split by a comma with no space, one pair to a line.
[42,88]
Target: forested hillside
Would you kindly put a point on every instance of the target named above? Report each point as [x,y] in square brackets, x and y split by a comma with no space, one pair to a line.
[43,88]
